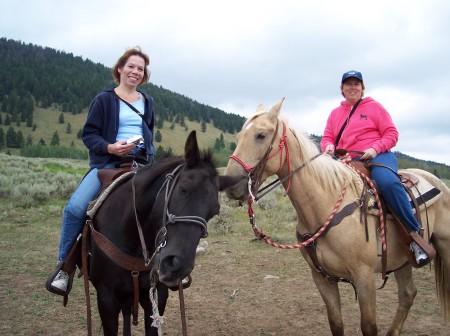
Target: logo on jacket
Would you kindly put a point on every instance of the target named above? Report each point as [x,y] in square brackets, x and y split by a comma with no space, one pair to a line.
[362,116]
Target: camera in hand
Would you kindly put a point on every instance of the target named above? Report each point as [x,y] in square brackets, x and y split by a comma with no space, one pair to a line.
[136,139]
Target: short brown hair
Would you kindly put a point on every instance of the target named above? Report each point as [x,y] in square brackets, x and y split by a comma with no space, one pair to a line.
[136,51]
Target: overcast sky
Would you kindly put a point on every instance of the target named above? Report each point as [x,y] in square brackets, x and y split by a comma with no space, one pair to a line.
[235,55]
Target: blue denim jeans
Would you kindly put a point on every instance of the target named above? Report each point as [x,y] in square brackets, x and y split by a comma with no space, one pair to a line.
[392,189]
[74,215]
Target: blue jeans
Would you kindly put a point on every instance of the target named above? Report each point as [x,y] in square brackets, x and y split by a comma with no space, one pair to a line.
[74,215]
[392,189]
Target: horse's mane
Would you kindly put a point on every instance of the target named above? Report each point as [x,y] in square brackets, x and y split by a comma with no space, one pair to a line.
[331,174]
[168,163]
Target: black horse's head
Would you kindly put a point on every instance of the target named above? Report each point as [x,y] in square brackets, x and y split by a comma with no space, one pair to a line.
[192,203]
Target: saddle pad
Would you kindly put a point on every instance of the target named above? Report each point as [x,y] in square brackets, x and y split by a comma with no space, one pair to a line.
[95,204]
[424,192]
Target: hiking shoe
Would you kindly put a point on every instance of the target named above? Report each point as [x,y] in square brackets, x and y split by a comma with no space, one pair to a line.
[420,254]
[61,281]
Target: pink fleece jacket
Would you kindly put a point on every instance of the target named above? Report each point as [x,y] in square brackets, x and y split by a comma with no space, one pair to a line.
[370,126]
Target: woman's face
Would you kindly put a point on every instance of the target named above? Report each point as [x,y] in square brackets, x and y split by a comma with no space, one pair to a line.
[132,72]
[352,89]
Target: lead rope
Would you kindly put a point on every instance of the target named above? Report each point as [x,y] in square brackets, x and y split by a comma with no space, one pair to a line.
[348,159]
[158,320]
[260,235]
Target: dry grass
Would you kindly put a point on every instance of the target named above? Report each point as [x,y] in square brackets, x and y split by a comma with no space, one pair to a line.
[275,294]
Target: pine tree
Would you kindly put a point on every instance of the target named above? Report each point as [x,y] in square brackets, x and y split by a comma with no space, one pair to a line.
[10,137]
[55,139]
[203,126]
[2,138]
[29,141]
[158,136]
[20,140]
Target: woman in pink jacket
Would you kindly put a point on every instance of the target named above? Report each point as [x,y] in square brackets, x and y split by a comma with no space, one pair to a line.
[370,132]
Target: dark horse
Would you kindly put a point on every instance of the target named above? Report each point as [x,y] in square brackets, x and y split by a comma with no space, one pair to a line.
[172,200]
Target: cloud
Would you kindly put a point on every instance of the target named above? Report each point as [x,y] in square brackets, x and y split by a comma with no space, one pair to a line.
[235,55]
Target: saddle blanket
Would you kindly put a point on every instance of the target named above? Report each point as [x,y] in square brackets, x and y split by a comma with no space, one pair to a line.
[423,191]
[96,203]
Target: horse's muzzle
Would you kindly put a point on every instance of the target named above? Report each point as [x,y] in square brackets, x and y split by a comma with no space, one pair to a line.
[172,270]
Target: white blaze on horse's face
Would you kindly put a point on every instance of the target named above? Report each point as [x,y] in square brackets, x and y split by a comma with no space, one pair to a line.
[253,143]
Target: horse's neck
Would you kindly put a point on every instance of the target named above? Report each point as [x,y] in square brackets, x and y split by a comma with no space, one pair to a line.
[309,201]
[311,194]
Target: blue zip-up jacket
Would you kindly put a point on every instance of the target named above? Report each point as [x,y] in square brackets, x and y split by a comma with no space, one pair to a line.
[102,125]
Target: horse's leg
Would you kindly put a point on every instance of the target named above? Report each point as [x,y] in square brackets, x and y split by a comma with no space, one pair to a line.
[406,293]
[126,314]
[331,297]
[163,294]
[109,310]
[365,289]
[441,242]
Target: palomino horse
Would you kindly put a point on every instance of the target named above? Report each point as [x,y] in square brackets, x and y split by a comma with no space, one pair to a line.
[314,183]
[162,207]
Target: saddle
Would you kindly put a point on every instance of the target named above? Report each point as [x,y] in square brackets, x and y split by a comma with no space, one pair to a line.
[418,200]
[108,175]
[73,259]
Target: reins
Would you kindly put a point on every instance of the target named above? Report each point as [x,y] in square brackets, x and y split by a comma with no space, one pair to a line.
[277,182]
[253,185]
[266,238]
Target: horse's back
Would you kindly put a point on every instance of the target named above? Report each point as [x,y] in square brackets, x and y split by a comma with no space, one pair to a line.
[440,204]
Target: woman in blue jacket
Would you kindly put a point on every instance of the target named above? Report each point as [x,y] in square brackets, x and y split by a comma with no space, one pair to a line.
[111,121]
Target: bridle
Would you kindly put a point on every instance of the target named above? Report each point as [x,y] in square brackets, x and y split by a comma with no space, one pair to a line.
[168,218]
[255,172]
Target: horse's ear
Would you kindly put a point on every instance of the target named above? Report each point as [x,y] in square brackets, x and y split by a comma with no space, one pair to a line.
[275,110]
[260,108]
[226,181]
[191,150]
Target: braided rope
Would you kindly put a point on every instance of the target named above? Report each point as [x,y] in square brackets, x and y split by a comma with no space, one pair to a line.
[258,233]
[348,159]
[158,320]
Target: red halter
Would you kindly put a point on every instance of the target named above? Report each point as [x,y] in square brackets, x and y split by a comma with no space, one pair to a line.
[251,170]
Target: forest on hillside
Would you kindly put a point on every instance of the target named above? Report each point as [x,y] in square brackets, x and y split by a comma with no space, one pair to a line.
[33,77]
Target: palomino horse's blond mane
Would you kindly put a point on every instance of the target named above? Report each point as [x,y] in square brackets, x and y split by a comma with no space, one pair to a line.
[331,174]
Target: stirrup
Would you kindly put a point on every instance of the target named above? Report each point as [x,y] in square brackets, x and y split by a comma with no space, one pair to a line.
[51,289]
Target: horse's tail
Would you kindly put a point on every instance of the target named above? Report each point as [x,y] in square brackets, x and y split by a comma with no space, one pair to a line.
[442,286]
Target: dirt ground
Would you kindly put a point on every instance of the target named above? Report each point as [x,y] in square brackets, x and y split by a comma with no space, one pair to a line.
[274,295]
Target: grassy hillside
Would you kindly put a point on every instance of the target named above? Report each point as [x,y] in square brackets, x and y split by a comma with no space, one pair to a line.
[47,123]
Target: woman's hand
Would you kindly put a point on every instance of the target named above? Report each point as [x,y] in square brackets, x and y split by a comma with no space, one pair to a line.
[369,154]
[330,149]
[120,148]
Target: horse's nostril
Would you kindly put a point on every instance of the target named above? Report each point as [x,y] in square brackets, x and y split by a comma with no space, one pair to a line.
[171,263]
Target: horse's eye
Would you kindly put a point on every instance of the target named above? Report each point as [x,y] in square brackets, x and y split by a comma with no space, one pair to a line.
[183,191]
[261,136]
